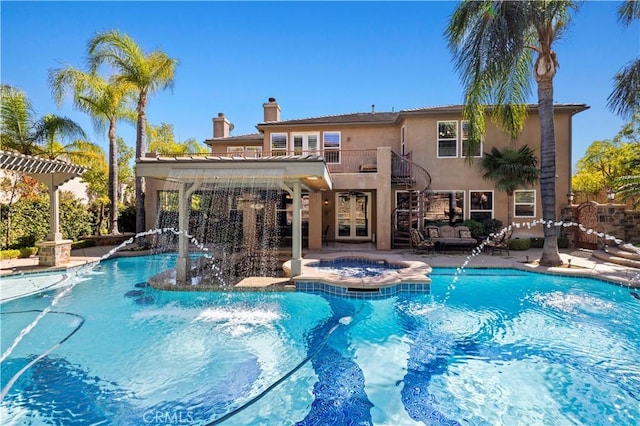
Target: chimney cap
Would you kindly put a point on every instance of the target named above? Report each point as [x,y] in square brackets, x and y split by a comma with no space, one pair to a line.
[221,114]
[272,99]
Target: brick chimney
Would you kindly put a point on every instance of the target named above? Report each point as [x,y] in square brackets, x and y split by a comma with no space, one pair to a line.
[271,110]
[221,126]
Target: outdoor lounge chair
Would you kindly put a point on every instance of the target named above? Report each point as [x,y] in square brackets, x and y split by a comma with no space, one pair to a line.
[500,243]
[419,242]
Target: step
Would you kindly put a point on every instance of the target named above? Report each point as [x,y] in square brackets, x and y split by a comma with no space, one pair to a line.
[612,257]
[629,251]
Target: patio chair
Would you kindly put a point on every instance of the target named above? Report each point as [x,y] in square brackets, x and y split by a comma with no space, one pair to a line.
[500,243]
[419,242]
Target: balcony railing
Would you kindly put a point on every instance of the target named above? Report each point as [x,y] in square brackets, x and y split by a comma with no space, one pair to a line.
[338,160]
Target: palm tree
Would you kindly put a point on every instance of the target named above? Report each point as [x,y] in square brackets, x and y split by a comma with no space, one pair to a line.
[21,131]
[510,169]
[106,103]
[146,72]
[624,100]
[493,43]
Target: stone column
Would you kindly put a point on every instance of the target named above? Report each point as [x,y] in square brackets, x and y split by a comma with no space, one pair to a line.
[54,251]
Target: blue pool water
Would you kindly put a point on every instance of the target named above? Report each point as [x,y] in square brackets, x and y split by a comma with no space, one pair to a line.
[355,268]
[505,348]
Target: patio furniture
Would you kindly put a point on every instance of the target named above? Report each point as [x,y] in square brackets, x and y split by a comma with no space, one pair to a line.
[447,237]
[500,243]
[420,243]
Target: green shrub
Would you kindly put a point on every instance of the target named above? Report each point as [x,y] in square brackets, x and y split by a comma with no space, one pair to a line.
[83,244]
[127,219]
[27,252]
[476,228]
[492,226]
[519,244]
[30,220]
[537,242]
[9,254]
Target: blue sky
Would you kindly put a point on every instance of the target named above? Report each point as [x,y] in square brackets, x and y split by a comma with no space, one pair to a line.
[315,58]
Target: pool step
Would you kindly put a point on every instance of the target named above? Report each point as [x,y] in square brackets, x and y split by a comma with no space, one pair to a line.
[622,255]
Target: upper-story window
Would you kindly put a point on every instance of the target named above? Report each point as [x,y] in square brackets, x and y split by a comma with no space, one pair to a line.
[524,203]
[253,151]
[278,143]
[305,143]
[447,138]
[464,138]
[235,150]
[331,146]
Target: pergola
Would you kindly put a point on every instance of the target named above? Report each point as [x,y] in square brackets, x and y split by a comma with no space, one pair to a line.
[53,173]
[293,174]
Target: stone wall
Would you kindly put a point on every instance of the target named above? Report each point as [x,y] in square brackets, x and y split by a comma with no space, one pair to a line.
[613,219]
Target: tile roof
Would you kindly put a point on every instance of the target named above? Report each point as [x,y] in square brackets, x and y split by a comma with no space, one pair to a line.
[358,117]
[237,138]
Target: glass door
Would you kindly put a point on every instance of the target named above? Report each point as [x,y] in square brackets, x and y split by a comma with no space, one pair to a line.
[305,143]
[353,215]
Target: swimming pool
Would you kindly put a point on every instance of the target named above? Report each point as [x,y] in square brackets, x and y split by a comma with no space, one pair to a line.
[506,347]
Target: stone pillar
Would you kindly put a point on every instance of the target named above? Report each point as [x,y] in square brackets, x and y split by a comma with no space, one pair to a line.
[54,218]
[54,253]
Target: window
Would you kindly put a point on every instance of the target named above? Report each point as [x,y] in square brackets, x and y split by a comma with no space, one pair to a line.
[524,203]
[402,141]
[331,146]
[464,130]
[305,143]
[445,206]
[481,207]
[278,143]
[235,150]
[253,151]
[447,138]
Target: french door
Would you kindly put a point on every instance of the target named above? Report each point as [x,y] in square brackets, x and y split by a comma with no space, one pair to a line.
[305,143]
[353,211]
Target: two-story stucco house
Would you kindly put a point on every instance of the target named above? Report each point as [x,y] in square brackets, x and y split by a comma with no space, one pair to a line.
[361,177]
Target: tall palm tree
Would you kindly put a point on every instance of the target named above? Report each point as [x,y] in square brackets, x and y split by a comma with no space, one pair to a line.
[106,103]
[510,169]
[624,100]
[148,73]
[494,43]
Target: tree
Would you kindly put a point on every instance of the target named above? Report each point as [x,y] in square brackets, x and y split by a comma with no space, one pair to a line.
[125,172]
[493,44]
[510,169]
[162,140]
[106,103]
[611,164]
[22,131]
[148,73]
[624,100]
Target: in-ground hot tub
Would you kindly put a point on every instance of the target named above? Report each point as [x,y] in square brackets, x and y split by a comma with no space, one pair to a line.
[361,275]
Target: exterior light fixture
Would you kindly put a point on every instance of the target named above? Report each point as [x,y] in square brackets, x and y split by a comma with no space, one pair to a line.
[326,201]
[570,197]
[611,195]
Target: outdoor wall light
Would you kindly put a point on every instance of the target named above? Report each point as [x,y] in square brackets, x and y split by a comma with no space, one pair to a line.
[326,201]
[611,195]
[570,197]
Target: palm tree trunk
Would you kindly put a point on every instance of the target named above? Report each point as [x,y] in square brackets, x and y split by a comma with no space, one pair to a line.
[113,179]
[550,254]
[140,151]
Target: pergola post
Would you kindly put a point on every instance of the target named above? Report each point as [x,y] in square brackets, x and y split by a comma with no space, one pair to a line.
[183,263]
[296,232]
